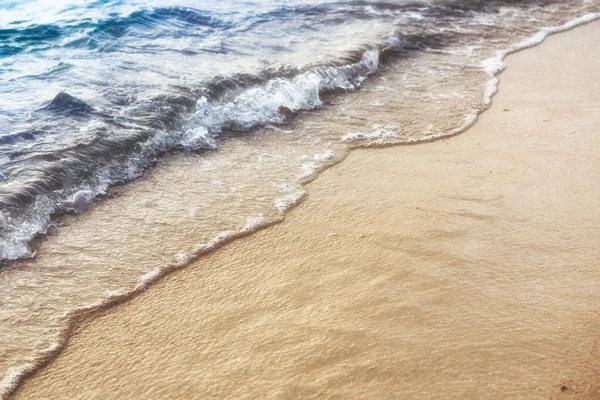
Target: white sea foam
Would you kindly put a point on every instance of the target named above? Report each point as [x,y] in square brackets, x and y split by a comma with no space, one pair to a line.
[415,15]
[149,277]
[182,259]
[23,227]
[115,293]
[198,137]
[262,105]
[285,203]
[256,223]
[381,134]
[309,168]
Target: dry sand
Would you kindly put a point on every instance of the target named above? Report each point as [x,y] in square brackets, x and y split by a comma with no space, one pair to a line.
[463,268]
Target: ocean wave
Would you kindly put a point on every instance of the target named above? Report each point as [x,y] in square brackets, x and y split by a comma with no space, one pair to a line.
[44,184]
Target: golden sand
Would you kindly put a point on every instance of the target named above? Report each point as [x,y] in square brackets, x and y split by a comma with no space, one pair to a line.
[463,268]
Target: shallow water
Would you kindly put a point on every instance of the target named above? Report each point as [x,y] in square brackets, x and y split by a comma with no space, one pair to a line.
[233,107]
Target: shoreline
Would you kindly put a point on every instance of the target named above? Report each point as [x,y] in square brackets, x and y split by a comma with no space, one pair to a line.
[122,308]
[494,66]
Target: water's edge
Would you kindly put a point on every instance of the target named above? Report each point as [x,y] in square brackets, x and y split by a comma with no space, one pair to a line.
[494,66]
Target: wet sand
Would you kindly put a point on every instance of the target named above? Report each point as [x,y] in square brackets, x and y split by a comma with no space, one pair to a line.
[463,268]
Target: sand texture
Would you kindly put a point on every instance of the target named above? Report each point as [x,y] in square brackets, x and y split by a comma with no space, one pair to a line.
[463,268]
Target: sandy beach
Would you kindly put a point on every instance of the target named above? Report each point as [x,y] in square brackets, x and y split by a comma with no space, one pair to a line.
[462,268]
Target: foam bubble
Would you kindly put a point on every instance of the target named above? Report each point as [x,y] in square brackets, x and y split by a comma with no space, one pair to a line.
[182,259]
[20,228]
[115,293]
[256,223]
[198,137]
[380,134]
[284,204]
[149,277]
[307,169]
